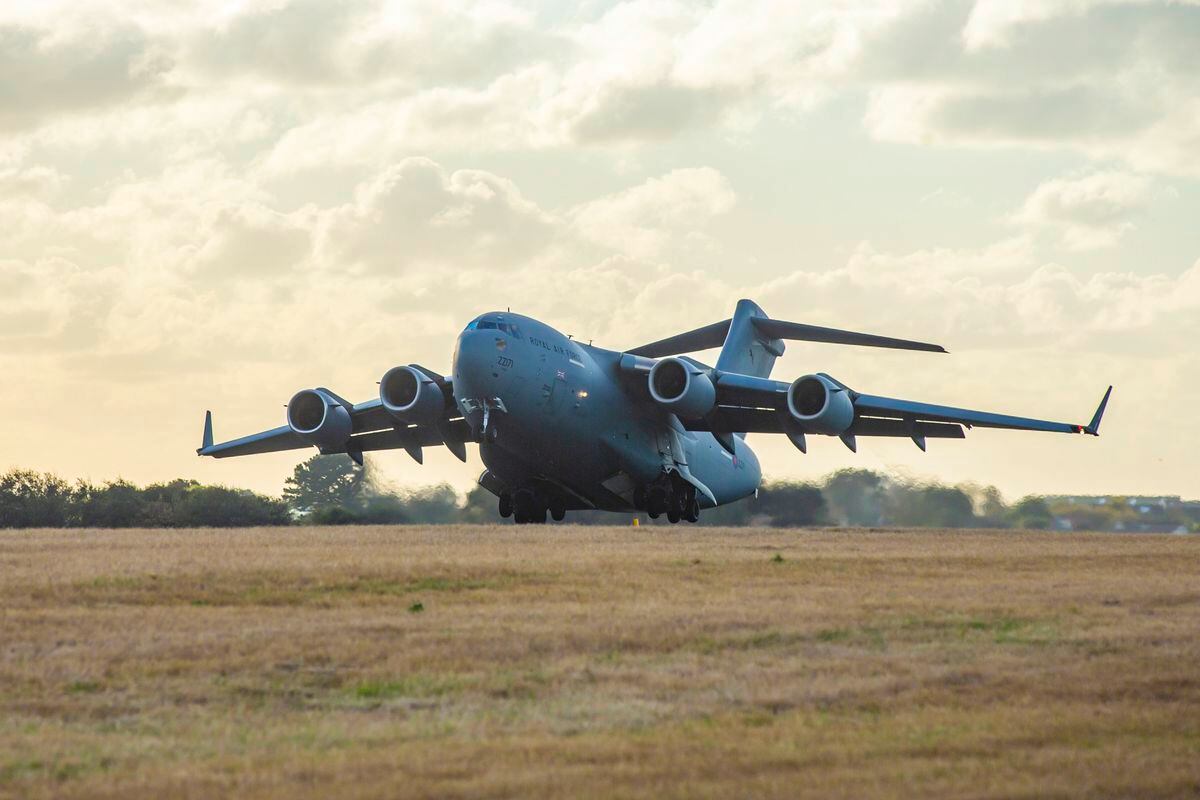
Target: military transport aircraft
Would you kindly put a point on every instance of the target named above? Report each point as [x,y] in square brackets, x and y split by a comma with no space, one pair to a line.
[563,425]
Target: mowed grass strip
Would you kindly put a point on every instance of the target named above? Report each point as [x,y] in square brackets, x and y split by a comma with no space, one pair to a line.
[459,661]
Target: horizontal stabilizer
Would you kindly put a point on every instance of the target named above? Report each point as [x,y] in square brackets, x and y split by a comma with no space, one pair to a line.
[705,338]
[768,331]
[798,331]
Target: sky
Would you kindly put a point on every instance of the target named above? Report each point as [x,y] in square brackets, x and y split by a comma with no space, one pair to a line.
[213,205]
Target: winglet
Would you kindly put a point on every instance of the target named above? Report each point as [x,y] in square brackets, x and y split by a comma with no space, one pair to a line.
[1093,428]
[208,436]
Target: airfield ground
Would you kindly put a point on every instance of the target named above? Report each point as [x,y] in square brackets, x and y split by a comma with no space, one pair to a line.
[614,662]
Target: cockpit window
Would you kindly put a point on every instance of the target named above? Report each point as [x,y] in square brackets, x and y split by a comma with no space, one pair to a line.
[491,325]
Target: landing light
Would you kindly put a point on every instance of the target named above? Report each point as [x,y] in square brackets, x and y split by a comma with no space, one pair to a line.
[582,393]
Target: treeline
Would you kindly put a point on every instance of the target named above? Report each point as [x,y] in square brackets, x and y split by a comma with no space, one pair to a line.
[40,500]
[330,490]
[333,490]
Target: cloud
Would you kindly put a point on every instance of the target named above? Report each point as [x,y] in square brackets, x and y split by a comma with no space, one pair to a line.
[639,72]
[252,241]
[49,74]
[644,220]
[52,306]
[1088,211]
[307,43]
[993,23]
[415,215]
[1111,80]
[314,193]
[35,182]
[358,84]
[504,115]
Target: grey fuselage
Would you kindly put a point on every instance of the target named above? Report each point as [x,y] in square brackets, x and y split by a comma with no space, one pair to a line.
[565,415]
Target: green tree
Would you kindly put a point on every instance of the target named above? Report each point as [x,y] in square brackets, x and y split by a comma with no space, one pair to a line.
[325,482]
[789,505]
[855,497]
[930,506]
[33,499]
[990,508]
[481,507]
[432,505]
[1031,513]
[223,507]
[117,504]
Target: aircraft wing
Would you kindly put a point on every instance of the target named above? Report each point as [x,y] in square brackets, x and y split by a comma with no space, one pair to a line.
[373,428]
[759,405]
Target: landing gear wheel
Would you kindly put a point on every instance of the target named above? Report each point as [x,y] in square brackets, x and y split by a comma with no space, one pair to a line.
[557,511]
[673,516]
[506,505]
[680,503]
[656,502]
[693,512]
[539,515]
[523,508]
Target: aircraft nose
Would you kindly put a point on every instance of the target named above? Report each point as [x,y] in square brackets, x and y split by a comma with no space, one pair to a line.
[472,364]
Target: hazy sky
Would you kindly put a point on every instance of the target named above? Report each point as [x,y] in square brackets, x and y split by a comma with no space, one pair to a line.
[212,206]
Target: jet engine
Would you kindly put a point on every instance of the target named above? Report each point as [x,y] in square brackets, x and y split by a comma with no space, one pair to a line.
[411,396]
[682,388]
[320,418]
[820,405]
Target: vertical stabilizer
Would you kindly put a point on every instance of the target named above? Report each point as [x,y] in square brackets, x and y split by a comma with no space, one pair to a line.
[746,349]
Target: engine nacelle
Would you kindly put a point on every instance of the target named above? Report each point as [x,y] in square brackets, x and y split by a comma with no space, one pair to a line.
[411,396]
[820,405]
[682,388]
[320,418]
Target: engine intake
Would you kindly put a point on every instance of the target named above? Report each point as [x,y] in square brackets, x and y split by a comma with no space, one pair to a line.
[320,418]
[682,388]
[820,405]
[411,396]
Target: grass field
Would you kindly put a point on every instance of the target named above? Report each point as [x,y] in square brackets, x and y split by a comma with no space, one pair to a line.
[607,662]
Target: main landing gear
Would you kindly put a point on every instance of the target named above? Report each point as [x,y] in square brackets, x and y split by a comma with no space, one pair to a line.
[670,495]
[527,507]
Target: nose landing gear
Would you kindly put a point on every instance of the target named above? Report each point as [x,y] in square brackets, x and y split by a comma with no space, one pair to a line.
[485,430]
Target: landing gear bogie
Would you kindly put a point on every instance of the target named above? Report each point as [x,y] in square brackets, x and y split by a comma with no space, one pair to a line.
[670,495]
[531,507]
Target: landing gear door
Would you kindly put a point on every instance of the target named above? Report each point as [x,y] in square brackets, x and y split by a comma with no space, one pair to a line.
[667,442]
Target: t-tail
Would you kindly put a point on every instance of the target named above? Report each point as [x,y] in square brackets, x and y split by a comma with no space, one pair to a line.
[749,349]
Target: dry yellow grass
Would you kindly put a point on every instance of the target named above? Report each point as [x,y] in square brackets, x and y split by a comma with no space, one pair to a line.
[614,662]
